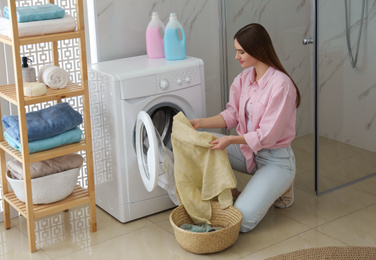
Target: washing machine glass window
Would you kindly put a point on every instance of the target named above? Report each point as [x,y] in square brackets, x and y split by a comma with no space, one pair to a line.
[162,119]
[150,150]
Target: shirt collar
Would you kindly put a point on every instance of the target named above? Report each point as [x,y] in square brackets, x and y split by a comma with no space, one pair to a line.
[264,79]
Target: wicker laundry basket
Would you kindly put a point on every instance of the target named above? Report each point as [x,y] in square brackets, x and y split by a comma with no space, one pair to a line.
[209,242]
[47,189]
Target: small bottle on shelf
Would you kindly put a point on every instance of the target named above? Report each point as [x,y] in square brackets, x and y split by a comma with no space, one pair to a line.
[28,72]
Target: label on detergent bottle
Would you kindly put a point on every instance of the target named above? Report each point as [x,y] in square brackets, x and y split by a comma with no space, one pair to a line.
[154,40]
[174,47]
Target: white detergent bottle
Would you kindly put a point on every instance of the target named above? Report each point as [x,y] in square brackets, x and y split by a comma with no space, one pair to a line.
[174,47]
[154,40]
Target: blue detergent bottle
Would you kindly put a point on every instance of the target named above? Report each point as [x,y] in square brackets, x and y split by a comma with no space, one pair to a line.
[174,47]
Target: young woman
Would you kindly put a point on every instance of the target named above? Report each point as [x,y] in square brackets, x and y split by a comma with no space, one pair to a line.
[262,107]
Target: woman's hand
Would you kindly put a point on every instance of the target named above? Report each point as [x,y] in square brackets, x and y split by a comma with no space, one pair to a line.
[221,143]
[195,123]
[224,141]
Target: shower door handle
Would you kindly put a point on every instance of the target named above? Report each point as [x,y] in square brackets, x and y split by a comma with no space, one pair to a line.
[307,41]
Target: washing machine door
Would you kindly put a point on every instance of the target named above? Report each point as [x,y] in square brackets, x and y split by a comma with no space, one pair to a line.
[151,153]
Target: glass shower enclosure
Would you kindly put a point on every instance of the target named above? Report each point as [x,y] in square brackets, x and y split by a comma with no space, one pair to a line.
[345,92]
[318,43]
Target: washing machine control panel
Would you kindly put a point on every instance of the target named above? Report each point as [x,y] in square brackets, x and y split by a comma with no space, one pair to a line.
[164,84]
[178,79]
[143,77]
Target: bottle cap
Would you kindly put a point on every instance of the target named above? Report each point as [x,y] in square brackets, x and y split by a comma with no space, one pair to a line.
[173,16]
[24,62]
[154,15]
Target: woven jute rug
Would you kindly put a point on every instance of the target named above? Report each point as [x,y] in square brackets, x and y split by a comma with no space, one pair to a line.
[330,253]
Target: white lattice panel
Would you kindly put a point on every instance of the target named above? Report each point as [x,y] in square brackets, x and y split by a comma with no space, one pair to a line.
[100,127]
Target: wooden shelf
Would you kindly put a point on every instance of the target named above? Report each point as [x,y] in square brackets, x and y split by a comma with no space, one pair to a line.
[79,197]
[44,155]
[42,38]
[9,93]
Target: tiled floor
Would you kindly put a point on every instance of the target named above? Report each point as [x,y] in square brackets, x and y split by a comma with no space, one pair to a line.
[343,217]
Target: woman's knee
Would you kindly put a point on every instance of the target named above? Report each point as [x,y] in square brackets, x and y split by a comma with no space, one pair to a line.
[250,222]
[251,216]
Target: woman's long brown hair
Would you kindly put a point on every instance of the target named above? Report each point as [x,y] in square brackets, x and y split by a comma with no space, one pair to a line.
[256,41]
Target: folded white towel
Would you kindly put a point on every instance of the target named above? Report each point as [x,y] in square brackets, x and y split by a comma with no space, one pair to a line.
[34,89]
[65,24]
[53,76]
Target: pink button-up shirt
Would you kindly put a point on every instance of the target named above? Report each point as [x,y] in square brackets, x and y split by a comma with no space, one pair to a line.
[273,101]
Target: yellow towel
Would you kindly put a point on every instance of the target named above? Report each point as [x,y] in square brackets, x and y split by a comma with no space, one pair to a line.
[201,174]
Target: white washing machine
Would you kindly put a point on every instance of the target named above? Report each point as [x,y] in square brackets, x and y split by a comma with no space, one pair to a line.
[119,91]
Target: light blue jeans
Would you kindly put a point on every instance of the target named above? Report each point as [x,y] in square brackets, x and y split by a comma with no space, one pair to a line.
[272,177]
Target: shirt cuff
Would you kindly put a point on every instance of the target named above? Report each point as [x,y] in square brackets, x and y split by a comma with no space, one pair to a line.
[230,121]
[253,141]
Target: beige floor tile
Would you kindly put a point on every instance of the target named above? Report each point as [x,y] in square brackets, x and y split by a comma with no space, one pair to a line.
[303,150]
[349,169]
[367,185]
[356,229]
[67,232]
[339,162]
[272,229]
[304,142]
[166,225]
[159,217]
[331,150]
[345,216]
[308,239]
[306,182]
[162,219]
[313,210]
[150,242]
[15,246]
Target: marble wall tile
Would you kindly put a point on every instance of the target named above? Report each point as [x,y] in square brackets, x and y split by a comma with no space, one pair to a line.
[121,26]
[346,95]
[288,23]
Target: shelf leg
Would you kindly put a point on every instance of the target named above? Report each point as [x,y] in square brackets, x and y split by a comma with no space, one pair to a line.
[31,234]
[93,216]
[7,223]
[4,187]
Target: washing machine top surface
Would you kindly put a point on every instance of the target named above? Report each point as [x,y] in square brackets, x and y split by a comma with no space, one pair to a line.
[141,77]
[139,66]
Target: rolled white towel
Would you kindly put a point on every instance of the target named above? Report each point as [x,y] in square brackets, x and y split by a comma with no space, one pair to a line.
[34,89]
[53,76]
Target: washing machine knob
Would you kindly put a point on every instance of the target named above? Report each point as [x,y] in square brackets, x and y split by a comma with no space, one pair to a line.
[164,84]
[187,79]
[179,81]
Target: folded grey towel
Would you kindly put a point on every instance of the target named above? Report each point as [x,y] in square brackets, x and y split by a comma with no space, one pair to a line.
[47,167]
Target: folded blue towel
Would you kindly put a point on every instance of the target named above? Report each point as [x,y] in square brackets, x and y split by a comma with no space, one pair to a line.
[68,137]
[36,12]
[44,123]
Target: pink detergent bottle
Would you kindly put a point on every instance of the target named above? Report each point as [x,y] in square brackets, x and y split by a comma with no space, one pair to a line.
[154,40]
